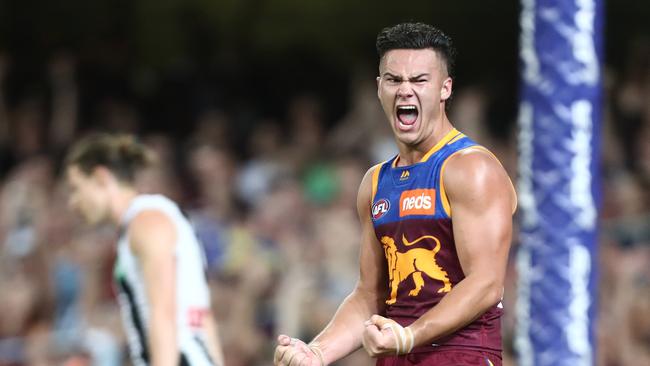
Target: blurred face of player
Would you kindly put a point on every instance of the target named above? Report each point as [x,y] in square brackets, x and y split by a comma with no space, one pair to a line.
[88,195]
[413,86]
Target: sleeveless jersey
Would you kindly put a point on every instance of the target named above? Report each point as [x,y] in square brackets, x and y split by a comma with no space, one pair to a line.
[413,222]
[192,294]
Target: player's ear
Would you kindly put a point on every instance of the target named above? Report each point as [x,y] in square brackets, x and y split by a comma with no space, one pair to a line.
[378,80]
[102,175]
[381,66]
[445,91]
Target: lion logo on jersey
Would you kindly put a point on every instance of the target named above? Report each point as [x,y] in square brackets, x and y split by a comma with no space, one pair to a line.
[413,262]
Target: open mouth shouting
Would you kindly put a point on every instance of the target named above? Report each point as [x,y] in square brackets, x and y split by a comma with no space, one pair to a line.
[407,115]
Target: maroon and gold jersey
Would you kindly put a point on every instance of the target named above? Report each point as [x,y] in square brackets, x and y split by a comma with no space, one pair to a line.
[414,224]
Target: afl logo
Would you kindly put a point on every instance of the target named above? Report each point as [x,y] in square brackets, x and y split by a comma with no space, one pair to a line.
[380,208]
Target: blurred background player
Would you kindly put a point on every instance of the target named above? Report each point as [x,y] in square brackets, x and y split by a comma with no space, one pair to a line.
[431,282]
[159,270]
[226,111]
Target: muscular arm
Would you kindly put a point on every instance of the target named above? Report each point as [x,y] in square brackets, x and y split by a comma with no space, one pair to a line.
[153,240]
[343,334]
[213,339]
[481,199]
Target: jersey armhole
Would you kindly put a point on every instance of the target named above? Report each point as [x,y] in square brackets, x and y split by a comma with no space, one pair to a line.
[169,214]
[443,195]
[375,180]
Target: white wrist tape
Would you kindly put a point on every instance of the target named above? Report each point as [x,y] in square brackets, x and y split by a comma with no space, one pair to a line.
[404,339]
[315,347]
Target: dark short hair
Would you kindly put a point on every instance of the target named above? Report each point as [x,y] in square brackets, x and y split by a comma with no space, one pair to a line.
[417,36]
[122,154]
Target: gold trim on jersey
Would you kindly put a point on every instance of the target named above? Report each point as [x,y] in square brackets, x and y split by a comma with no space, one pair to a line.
[375,180]
[458,137]
[443,194]
[444,141]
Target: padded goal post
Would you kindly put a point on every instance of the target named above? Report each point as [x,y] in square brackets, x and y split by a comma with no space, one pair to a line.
[559,128]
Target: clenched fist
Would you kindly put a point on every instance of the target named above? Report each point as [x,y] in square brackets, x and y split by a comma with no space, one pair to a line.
[294,352]
[384,336]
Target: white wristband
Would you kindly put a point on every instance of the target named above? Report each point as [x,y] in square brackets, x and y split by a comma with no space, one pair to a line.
[315,347]
[404,339]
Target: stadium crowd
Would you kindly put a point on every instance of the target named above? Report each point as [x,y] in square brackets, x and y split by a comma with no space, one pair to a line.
[274,205]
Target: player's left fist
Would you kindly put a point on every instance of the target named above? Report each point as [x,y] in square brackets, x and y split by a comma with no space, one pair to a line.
[294,352]
[384,337]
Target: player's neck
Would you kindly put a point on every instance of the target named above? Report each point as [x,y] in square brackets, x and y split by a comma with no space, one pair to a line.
[121,200]
[412,154]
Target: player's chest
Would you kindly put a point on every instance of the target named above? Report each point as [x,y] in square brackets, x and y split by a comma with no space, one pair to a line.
[406,193]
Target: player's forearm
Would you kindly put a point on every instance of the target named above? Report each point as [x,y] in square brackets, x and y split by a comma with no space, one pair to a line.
[467,301]
[342,335]
[213,340]
[163,344]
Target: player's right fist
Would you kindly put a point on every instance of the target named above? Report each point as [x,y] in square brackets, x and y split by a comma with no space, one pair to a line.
[294,352]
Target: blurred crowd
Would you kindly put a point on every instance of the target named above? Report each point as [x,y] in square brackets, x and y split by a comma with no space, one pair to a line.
[275,209]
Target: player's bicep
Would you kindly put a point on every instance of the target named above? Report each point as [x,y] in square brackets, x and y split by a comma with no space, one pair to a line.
[153,239]
[372,262]
[480,196]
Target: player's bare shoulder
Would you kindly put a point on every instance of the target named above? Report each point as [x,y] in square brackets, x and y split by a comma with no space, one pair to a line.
[476,174]
[150,226]
[367,189]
